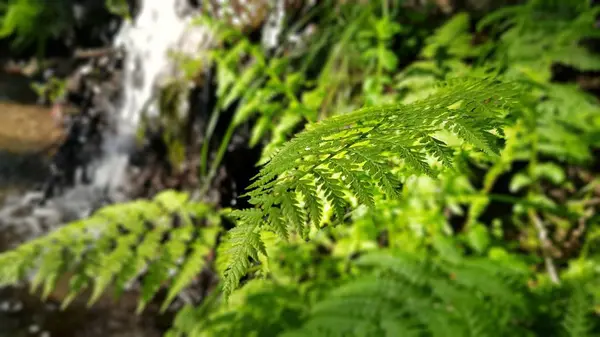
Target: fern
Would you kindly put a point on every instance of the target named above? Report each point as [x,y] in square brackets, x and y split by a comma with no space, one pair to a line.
[576,321]
[540,33]
[261,308]
[410,296]
[391,295]
[452,39]
[355,154]
[159,241]
[562,135]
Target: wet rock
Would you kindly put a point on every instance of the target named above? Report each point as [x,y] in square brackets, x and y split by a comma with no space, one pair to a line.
[15,87]
[27,128]
[37,318]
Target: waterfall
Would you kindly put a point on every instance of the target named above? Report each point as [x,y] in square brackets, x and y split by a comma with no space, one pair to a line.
[147,40]
[159,27]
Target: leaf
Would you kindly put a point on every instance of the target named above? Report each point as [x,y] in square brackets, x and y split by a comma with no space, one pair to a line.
[259,130]
[550,171]
[478,238]
[519,181]
[117,246]
[388,59]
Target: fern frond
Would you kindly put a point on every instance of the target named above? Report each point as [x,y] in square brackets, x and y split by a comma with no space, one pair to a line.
[413,296]
[452,38]
[538,34]
[354,154]
[159,241]
[259,308]
[576,321]
[241,243]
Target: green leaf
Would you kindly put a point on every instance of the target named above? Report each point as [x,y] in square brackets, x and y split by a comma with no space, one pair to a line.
[259,130]
[519,181]
[550,171]
[388,59]
[478,237]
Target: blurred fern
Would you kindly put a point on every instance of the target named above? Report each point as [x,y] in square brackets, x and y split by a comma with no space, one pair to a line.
[260,308]
[407,295]
[390,294]
[540,33]
[577,321]
[33,22]
[162,241]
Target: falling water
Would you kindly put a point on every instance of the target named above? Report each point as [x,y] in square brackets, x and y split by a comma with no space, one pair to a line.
[147,40]
[159,27]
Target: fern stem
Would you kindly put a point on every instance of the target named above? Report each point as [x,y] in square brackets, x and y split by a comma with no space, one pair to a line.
[219,157]
[546,244]
[534,189]
[212,123]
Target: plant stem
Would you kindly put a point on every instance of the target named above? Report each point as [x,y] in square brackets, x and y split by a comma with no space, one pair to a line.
[546,244]
[212,123]
[217,160]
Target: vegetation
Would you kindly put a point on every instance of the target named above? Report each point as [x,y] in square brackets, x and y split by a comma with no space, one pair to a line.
[444,183]
[32,24]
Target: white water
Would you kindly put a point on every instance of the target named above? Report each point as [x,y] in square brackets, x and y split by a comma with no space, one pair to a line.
[147,41]
[160,26]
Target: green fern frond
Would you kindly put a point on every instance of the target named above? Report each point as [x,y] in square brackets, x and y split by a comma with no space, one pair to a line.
[453,38]
[413,296]
[260,308]
[241,243]
[355,154]
[159,241]
[576,321]
[540,33]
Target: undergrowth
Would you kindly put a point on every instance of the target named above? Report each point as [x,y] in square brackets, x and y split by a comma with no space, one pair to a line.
[452,192]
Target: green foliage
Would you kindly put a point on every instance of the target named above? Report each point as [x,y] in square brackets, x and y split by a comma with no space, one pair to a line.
[276,92]
[469,208]
[33,22]
[540,33]
[118,7]
[414,296]
[261,308]
[355,153]
[166,240]
[54,89]
[451,40]
[395,294]
[577,321]
[170,99]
